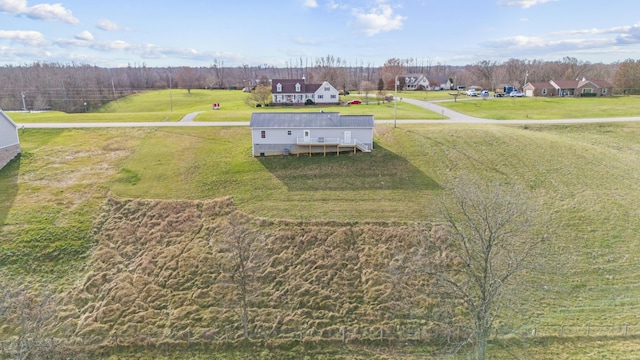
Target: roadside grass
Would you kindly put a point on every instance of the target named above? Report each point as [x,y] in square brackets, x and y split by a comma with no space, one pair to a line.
[61,117]
[539,108]
[585,176]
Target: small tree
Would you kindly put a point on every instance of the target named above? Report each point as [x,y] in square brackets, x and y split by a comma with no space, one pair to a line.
[241,245]
[490,235]
[260,95]
[366,87]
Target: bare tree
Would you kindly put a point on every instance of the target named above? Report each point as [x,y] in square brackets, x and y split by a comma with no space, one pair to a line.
[391,69]
[490,235]
[241,245]
[627,77]
[188,78]
[366,87]
[484,72]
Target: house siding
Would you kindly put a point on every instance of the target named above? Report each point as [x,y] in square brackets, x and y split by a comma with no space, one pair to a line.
[277,126]
[9,141]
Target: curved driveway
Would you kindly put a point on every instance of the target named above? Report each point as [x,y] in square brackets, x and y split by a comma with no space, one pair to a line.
[454,117]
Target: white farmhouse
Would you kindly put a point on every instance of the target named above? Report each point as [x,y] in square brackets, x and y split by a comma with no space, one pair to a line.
[9,141]
[297,92]
[310,132]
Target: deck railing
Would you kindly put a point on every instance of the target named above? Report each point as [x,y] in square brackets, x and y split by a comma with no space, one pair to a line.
[319,140]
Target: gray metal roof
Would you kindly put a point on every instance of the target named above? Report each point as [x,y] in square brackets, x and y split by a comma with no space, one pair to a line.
[310,120]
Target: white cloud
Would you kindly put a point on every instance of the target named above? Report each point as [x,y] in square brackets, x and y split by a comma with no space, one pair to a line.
[84,36]
[108,25]
[525,4]
[379,19]
[624,35]
[310,3]
[46,12]
[32,38]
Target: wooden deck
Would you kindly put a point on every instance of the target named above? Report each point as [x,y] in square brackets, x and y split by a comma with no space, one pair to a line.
[327,145]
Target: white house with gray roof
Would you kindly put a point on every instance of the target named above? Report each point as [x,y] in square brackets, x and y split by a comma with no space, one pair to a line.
[9,141]
[422,82]
[310,132]
[298,92]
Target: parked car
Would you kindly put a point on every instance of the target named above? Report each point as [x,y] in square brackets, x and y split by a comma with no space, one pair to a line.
[516,93]
[484,93]
[354,102]
[472,92]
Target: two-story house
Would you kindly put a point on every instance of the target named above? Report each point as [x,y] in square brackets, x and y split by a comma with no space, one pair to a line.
[422,82]
[298,92]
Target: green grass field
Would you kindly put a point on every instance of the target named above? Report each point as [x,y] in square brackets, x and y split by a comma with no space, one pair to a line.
[165,105]
[585,176]
[537,108]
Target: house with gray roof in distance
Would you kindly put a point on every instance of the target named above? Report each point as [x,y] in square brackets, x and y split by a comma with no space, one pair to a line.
[9,141]
[298,92]
[310,132]
[422,82]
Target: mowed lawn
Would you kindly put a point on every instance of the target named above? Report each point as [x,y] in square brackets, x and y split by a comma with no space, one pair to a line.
[166,105]
[539,108]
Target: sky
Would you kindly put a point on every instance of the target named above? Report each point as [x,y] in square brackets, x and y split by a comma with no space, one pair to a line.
[199,33]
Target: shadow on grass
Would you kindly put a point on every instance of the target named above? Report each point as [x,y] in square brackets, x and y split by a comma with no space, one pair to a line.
[380,169]
[8,187]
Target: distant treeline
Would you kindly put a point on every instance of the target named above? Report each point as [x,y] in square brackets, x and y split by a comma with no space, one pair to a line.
[79,87]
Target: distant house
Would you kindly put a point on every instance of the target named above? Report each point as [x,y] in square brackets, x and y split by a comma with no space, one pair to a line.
[9,141]
[297,92]
[310,132]
[575,88]
[539,89]
[421,82]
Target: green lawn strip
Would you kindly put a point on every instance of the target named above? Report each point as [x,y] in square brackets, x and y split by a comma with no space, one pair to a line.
[60,117]
[539,108]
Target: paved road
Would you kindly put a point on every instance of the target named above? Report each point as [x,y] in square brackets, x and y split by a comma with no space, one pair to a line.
[454,117]
[191,116]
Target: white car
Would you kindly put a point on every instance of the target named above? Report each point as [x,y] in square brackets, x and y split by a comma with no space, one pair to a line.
[472,92]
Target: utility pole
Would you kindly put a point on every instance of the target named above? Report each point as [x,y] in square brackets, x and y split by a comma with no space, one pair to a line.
[170,90]
[24,104]
[395,101]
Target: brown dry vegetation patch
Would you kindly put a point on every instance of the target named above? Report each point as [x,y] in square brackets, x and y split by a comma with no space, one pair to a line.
[159,268]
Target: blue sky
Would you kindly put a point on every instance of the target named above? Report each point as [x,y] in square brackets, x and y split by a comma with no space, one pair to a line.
[368,32]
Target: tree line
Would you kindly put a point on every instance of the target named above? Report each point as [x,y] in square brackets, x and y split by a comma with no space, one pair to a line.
[80,87]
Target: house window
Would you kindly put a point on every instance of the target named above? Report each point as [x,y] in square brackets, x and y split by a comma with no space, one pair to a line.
[587,90]
[544,91]
[263,134]
[288,132]
[279,87]
[320,96]
[604,91]
[327,88]
[297,87]
[333,96]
